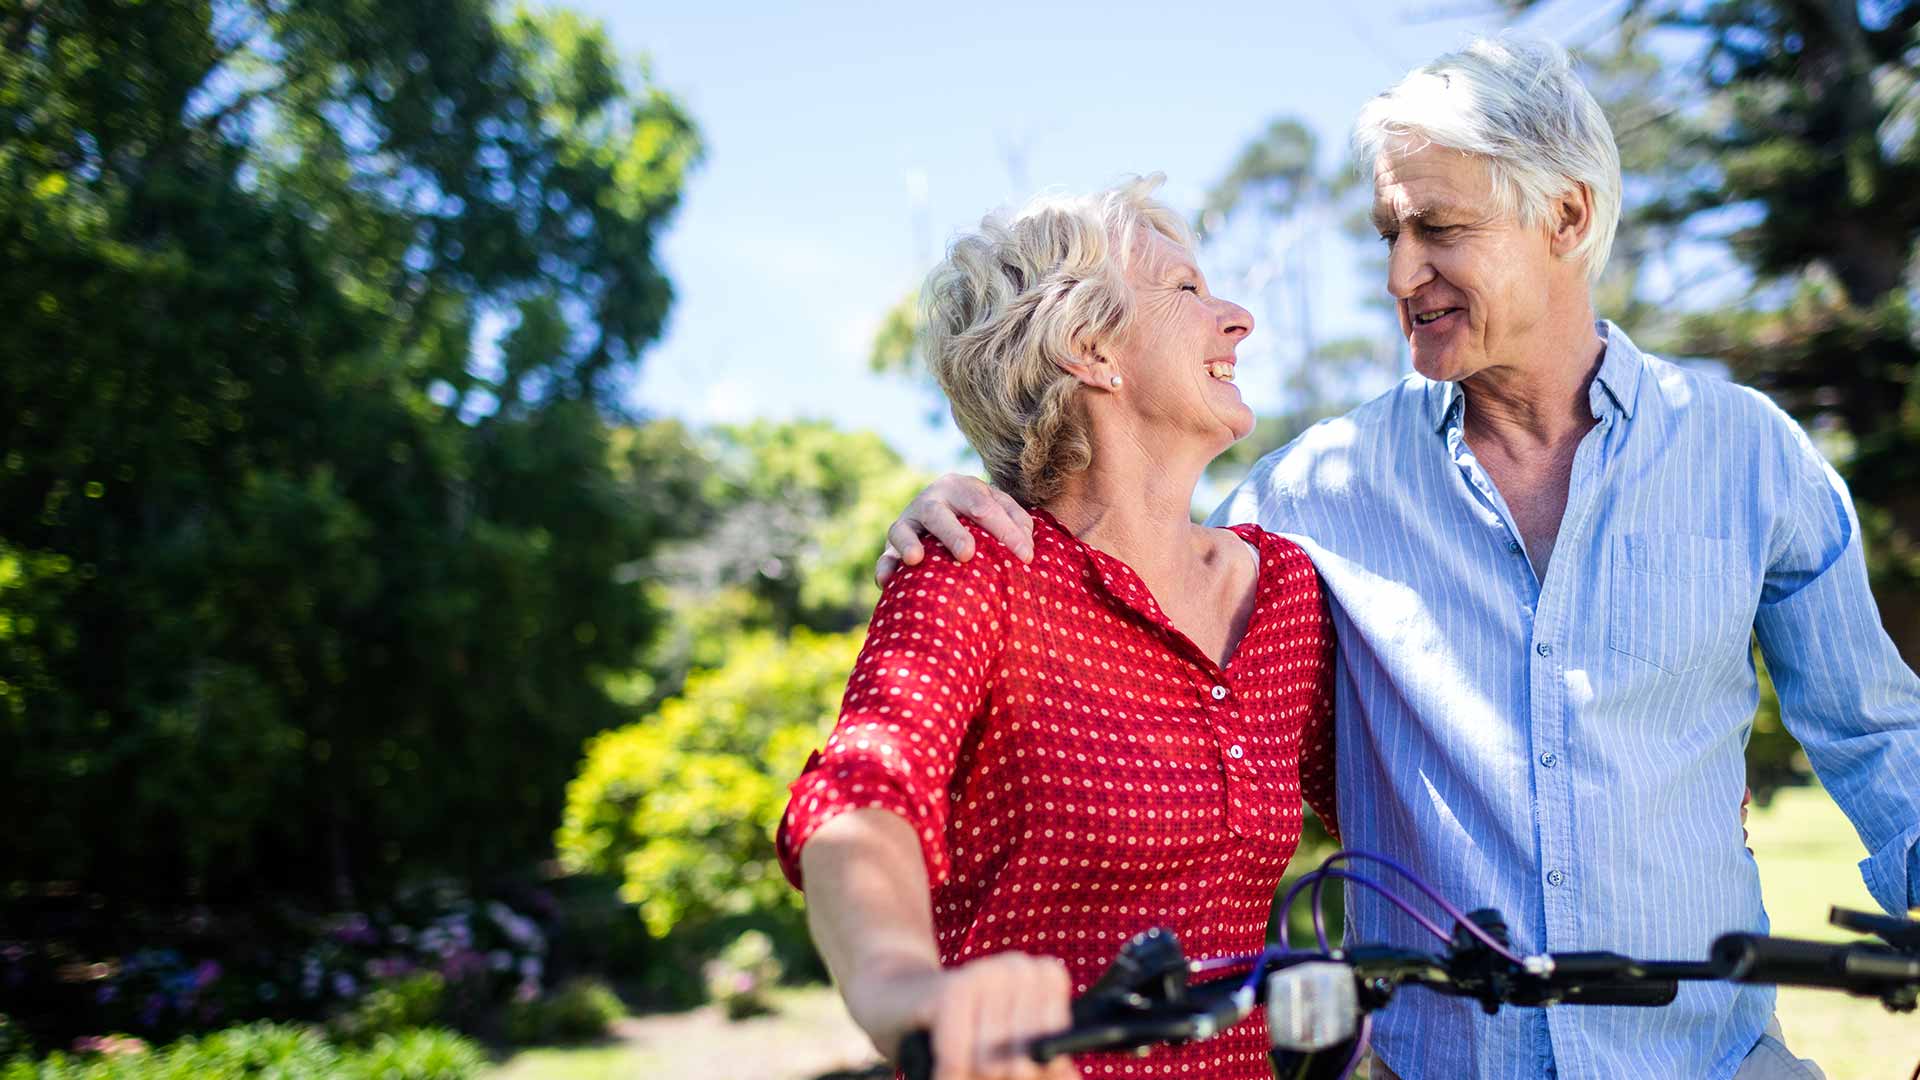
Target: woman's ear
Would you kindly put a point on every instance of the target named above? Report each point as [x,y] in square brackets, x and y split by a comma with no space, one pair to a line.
[1572,219]
[1091,368]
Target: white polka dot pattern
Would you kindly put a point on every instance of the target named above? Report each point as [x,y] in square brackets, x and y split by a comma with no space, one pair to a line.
[1077,769]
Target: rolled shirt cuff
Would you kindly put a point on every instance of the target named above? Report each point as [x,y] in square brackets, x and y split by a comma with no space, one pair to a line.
[1893,872]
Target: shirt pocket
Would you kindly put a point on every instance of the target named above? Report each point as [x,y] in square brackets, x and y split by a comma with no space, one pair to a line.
[1677,601]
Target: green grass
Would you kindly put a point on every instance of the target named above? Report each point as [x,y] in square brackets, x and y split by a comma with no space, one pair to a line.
[618,1062]
[1808,853]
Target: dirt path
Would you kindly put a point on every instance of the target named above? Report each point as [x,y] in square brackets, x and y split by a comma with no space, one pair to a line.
[808,1038]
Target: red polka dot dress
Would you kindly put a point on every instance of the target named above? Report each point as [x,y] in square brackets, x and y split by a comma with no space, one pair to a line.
[1078,770]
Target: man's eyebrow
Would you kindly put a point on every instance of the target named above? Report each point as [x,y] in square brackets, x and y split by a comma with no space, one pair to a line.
[1384,217]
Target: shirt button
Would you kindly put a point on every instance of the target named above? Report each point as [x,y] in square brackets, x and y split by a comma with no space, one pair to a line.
[1513,546]
[1235,752]
[1555,878]
[1549,759]
[1219,692]
[1543,649]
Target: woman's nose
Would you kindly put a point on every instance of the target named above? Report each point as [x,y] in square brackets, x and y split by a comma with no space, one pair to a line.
[1236,321]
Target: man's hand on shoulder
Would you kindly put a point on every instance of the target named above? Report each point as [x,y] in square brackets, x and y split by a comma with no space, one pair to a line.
[937,511]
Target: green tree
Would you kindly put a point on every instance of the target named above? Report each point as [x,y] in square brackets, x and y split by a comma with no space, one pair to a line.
[1800,125]
[682,806]
[301,578]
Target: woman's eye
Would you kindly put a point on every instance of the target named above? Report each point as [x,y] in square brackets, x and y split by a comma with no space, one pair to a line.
[1388,238]
[1190,287]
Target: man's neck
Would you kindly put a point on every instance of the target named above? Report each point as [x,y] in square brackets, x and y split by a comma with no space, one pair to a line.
[1541,401]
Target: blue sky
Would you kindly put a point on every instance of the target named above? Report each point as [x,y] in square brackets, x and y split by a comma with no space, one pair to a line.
[847,142]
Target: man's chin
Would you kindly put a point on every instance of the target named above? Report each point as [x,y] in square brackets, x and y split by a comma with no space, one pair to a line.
[1440,365]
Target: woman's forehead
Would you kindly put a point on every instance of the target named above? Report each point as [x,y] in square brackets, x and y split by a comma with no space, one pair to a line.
[1154,252]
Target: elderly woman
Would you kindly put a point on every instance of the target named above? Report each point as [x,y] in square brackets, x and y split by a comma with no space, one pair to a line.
[1036,760]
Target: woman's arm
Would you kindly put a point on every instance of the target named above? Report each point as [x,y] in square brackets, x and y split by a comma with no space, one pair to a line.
[868,908]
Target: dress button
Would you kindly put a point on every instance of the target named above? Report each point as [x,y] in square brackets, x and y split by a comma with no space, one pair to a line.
[1543,649]
[1235,752]
[1219,692]
[1556,878]
[1549,759]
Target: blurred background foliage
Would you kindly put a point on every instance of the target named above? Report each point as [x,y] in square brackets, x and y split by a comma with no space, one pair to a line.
[331,561]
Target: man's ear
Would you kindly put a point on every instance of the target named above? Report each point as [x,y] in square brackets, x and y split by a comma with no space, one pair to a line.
[1572,218]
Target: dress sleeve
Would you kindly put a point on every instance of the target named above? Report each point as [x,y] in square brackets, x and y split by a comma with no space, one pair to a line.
[1317,735]
[920,680]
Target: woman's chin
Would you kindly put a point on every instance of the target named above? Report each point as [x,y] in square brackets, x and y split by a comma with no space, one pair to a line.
[1240,422]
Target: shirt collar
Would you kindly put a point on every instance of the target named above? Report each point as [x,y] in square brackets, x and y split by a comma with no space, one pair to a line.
[1617,384]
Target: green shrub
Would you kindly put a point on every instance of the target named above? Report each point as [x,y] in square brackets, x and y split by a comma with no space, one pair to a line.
[13,1041]
[580,1010]
[420,1054]
[270,1052]
[683,805]
[739,978]
[392,1006]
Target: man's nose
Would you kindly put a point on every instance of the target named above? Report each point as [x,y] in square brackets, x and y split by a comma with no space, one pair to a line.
[1407,267]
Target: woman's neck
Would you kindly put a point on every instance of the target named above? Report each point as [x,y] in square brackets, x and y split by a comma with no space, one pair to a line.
[1139,511]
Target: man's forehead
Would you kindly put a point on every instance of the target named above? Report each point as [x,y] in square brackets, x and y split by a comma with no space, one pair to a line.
[1429,182]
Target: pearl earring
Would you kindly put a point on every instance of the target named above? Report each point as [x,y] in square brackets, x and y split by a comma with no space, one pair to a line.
[1114,382]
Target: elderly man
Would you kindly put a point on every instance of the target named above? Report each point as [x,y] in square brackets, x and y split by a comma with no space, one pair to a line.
[1548,553]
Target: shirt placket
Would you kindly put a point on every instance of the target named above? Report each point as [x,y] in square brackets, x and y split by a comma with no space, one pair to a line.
[1544,730]
[1219,706]
[1553,762]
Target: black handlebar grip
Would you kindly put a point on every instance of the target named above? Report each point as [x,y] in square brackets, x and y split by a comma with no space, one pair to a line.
[916,1055]
[1756,958]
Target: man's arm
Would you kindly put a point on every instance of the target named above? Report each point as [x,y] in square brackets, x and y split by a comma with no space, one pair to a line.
[937,511]
[1844,691]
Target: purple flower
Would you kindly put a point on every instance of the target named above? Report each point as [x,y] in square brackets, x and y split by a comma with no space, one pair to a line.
[462,964]
[354,929]
[206,974]
[109,1044]
[391,967]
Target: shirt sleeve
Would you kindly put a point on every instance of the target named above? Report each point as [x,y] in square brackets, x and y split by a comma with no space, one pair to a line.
[1317,737]
[1844,690]
[919,681]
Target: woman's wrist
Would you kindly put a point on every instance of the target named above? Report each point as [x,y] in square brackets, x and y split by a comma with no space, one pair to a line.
[887,1002]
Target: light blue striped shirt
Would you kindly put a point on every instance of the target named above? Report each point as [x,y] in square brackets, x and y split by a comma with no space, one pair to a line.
[1571,751]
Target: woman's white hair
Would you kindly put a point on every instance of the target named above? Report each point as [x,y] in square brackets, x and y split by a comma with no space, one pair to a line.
[1515,101]
[1015,305]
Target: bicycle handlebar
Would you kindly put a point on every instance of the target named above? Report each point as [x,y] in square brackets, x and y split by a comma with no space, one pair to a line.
[1865,970]
[1318,1002]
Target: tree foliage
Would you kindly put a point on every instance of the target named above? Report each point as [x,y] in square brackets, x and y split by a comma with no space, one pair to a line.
[301,576]
[768,609]
[682,806]
[1794,140]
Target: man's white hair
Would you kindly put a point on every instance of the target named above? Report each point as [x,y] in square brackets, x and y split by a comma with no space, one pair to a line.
[1514,101]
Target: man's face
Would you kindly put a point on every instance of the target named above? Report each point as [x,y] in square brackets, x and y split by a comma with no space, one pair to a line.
[1471,282]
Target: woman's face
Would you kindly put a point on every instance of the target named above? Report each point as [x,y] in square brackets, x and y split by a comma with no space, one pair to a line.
[1176,357]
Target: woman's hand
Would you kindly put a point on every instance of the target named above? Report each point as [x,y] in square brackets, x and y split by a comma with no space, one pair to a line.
[981,1015]
[936,511]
